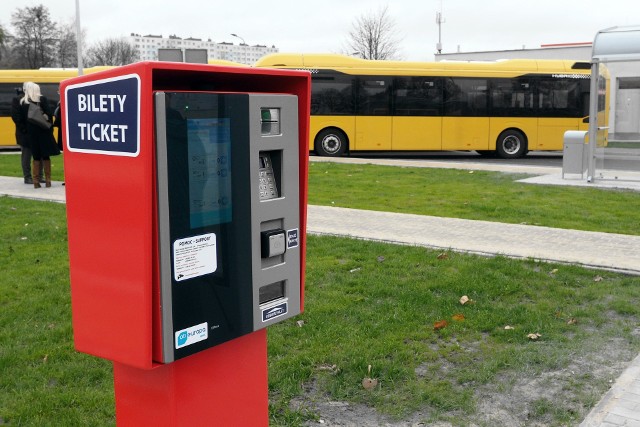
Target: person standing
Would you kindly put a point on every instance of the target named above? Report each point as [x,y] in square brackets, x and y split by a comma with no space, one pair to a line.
[22,139]
[43,145]
[57,123]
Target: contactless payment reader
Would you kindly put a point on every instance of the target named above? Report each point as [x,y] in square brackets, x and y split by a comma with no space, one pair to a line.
[228,197]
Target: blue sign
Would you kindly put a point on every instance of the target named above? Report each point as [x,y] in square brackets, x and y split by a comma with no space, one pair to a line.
[103,116]
[292,238]
[273,312]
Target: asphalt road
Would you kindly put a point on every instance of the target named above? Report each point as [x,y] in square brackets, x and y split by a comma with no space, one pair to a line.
[614,158]
[548,159]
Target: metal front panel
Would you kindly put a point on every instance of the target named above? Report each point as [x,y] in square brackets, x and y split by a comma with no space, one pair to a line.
[281,212]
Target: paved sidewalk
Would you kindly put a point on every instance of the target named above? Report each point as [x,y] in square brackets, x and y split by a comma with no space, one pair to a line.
[15,187]
[608,251]
[620,406]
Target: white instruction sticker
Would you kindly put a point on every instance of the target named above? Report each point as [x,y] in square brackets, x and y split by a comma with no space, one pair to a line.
[194,256]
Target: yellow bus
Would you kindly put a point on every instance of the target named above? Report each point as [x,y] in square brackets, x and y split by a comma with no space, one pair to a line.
[506,107]
[47,78]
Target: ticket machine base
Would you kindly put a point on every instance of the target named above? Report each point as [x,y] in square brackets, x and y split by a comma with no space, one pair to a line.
[226,385]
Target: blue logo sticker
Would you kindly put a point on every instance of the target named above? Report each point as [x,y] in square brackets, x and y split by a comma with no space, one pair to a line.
[182,338]
[273,312]
[103,116]
[292,238]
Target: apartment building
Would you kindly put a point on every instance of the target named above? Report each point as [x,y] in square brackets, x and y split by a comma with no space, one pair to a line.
[148,45]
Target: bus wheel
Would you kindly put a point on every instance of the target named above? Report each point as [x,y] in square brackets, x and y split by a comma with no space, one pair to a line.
[331,143]
[511,144]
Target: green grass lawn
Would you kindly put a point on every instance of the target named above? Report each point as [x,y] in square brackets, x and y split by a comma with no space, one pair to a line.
[367,304]
[10,165]
[489,196]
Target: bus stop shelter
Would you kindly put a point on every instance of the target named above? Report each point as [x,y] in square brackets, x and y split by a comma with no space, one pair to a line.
[612,155]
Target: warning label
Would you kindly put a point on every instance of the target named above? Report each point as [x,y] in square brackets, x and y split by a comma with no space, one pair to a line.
[194,256]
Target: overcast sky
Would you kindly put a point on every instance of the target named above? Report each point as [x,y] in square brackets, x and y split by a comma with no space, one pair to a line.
[323,26]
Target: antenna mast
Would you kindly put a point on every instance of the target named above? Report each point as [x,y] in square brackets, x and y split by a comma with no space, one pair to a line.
[439,21]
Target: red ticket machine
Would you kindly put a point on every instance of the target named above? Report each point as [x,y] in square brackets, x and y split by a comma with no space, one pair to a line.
[186,203]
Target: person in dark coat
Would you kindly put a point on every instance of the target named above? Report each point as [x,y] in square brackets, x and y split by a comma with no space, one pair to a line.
[42,143]
[22,140]
[57,123]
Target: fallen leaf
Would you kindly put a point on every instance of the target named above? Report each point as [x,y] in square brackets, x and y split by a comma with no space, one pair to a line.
[534,337]
[509,328]
[443,255]
[458,317]
[598,279]
[367,382]
[464,299]
[572,321]
[554,271]
[46,357]
[439,325]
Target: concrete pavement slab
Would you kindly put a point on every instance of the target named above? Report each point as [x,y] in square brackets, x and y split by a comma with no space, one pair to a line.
[15,187]
[616,252]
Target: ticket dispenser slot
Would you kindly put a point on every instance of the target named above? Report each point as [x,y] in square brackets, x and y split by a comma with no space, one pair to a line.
[228,217]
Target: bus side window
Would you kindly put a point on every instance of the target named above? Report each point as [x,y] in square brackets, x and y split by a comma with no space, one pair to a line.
[466,97]
[373,96]
[332,95]
[417,96]
[7,93]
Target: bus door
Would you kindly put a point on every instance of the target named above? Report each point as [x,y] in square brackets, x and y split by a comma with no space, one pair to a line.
[465,125]
[417,113]
[560,109]
[373,113]
[373,133]
[551,132]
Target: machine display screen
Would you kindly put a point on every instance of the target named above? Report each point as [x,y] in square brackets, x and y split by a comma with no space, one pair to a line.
[209,163]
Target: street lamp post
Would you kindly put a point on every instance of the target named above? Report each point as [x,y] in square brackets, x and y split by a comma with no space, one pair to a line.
[235,35]
[78,38]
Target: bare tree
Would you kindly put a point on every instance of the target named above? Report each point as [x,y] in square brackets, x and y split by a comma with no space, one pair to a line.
[35,37]
[111,52]
[67,48]
[4,35]
[374,36]
[2,40]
